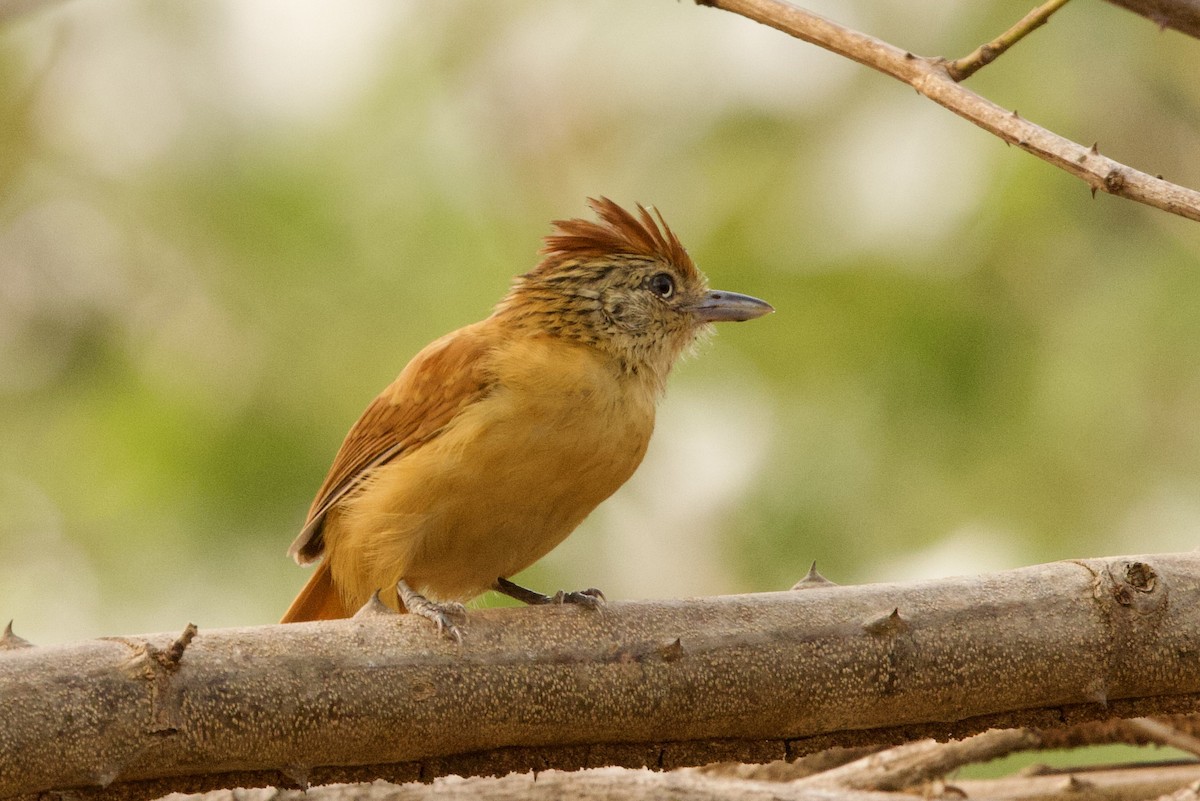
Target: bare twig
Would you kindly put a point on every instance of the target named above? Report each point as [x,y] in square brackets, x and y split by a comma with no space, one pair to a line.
[908,765]
[885,770]
[913,763]
[962,68]
[1166,735]
[175,652]
[930,77]
[782,770]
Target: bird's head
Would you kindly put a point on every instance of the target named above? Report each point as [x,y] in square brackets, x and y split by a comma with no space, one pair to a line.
[625,285]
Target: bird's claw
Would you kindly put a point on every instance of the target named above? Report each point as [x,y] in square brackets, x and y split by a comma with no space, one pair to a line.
[591,598]
[447,627]
[449,617]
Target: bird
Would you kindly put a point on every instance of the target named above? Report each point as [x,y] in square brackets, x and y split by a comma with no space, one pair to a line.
[498,439]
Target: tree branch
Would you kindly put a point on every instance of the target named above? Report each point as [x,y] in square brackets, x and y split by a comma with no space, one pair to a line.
[617,784]
[930,77]
[600,784]
[892,775]
[1182,15]
[661,684]
[913,764]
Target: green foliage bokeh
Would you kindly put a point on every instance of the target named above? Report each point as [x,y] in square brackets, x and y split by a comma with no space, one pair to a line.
[225,226]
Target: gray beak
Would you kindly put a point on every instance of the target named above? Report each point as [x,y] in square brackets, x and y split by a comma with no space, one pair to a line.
[718,306]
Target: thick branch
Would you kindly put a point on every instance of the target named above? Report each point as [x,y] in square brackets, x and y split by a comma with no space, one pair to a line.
[662,684]
[930,77]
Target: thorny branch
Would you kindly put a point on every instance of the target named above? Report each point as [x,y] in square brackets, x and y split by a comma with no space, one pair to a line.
[662,684]
[931,77]
[912,764]
[1166,734]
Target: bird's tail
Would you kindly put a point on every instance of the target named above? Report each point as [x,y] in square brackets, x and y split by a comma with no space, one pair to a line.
[319,600]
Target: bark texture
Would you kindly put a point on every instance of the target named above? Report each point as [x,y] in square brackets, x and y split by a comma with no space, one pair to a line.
[659,684]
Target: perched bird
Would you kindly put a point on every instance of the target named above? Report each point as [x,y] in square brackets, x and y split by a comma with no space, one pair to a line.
[498,439]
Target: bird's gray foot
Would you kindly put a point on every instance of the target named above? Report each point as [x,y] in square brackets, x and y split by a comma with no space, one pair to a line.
[590,598]
[450,618]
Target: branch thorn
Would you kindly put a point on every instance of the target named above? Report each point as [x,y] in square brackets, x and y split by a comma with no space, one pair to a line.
[813,579]
[10,641]
[886,624]
[672,651]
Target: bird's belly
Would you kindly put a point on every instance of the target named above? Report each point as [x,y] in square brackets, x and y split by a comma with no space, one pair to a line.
[491,495]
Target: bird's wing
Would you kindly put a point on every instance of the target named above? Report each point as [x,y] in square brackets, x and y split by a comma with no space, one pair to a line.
[447,376]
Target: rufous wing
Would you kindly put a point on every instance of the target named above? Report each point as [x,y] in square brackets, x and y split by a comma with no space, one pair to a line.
[450,374]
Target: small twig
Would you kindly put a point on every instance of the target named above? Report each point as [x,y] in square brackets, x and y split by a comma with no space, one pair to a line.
[1166,735]
[913,763]
[175,652]
[963,68]
[782,770]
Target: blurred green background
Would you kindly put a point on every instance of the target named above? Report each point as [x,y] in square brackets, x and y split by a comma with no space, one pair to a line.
[225,226]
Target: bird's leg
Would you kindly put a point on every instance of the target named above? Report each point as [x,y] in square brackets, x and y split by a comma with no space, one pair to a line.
[591,598]
[443,615]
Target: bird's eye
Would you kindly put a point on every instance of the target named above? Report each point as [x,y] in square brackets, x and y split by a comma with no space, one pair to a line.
[662,285]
